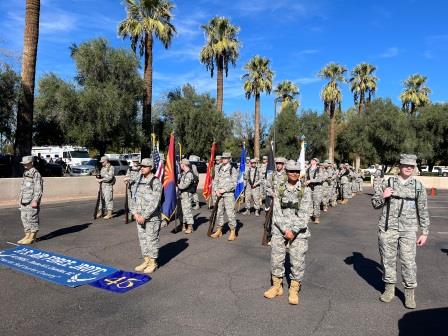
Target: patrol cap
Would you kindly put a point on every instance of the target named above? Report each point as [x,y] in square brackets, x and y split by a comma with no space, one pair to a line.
[408,159]
[226,155]
[292,165]
[147,163]
[104,158]
[315,159]
[280,159]
[185,162]
[27,159]
[265,157]
[247,158]
[253,161]
[327,162]
[218,157]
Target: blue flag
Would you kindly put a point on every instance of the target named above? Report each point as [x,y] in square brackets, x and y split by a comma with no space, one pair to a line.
[240,183]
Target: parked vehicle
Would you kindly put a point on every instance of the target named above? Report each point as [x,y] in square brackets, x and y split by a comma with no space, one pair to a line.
[71,155]
[370,170]
[120,166]
[48,169]
[85,169]
[200,166]
[440,170]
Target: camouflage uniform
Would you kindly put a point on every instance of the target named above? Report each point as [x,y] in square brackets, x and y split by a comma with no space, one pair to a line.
[147,194]
[30,190]
[253,181]
[107,186]
[195,196]
[360,180]
[345,184]
[186,188]
[291,211]
[408,213]
[327,175]
[263,169]
[377,178]
[215,169]
[315,178]
[273,180]
[334,185]
[133,174]
[226,178]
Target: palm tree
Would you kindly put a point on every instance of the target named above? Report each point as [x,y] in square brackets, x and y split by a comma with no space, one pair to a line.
[286,92]
[145,20]
[258,79]
[415,94]
[332,97]
[24,133]
[363,83]
[221,47]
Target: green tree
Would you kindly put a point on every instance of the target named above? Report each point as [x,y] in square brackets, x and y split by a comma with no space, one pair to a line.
[287,140]
[415,94]
[24,133]
[332,97]
[257,80]
[221,48]
[9,97]
[287,92]
[363,84]
[314,127]
[145,20]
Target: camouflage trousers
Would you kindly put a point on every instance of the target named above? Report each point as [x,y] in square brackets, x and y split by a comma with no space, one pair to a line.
[195,198]
[377,183]
[355,187]
[346,190]
[30,218]
[326,193]
[227,203]
[185,201]
[360,185]
[252,194]
[108,196]
[334,192]
[148,236]
[297,252]
[392,243]
[316,196]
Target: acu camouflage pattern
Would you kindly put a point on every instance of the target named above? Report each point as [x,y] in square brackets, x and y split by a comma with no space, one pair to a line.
[252,192]
[377,179]
[195,196]
[225,179]
[403,223]
[263,168]
[327,184]
[273,181]
[315,178]
[107,186]
[30,190]
[134,174]
[292,207]
[147,203]
[185,183]
[345,184]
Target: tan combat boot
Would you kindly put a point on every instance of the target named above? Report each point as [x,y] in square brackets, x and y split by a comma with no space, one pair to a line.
[99,214]
[31,238]
[217,234]
[294,289]
[276,289]
[325,208]
[409,299]
[317,220]
[109,215]
[389,293]
[142,266]
[151,267]
[232,236]
[189,229]
[27,235]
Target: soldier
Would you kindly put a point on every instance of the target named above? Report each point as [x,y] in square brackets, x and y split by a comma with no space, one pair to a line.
[344,184]
[326,184]
[360,180]
[292,206]
[313,181]
[218,162]
[30,196]
[131,178]
[195,196]
[146,210]
[186,187]
[224,185]
[334,185]
[404,211]
[107,180]
[253,180]
[276,177]
[263,169]
[378,176]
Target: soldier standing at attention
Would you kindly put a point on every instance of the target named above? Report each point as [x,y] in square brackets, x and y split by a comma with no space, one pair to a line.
[404,212]
[218,162]
[131,178]
[345,185]
[224,185]
[313,181]
[146,210]
[292,206]
[195,196]
[30,196]
[377,177]
[263,169]
[276,177]
[186,188]
[253,180]
[107,180]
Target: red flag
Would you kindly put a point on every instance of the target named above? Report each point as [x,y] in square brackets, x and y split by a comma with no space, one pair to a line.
[208,178]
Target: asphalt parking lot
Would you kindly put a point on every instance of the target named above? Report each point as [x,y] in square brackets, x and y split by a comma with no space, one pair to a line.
[215,287]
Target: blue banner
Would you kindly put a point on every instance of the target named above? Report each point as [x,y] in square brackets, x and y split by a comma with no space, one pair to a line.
[53,267]
[240,183]
[121,281]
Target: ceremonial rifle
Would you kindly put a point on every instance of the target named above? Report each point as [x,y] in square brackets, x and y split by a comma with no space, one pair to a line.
[212,220]
[98,200]
[267,225]
[126,205]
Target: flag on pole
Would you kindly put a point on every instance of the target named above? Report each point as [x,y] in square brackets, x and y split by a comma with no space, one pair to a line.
[169,182]
[208,178]
[269,170]
[158,163]
[240,183]
[301,160]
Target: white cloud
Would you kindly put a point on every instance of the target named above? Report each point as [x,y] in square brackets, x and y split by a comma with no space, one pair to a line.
[390,53]
[307,80]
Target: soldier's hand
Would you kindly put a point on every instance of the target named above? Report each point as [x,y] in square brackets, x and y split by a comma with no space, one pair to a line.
[126,179]
[34,204]
[139,219]
[388,192]
[289,234]
[422,240]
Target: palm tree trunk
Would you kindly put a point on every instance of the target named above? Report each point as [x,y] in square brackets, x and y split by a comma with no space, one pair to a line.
[362,104]
[220,84]
[147,98]
[257,127]
[331,132]
[24,135]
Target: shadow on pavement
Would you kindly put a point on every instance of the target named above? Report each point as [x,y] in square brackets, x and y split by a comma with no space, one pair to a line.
[444,251]
[171,250]
[119,213]
[427,322]
[64,231]
[198,221]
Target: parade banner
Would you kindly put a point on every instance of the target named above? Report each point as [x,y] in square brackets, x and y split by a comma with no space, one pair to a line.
[121,281]
[53,267]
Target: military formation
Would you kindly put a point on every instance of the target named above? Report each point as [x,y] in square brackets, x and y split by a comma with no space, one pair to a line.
[292,196]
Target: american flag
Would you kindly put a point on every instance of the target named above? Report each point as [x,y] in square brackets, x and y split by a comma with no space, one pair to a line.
[158,164]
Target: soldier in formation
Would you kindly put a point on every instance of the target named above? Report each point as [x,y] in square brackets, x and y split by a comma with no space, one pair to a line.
[187,189]
[195,196]
[224,185]
[218,162]
[291,213]
[404,213]
[107,180]
[313,181]
[147,193]
[263,169]
[253,186]
[377,176]
[131,178]
[276,177]
[30,197]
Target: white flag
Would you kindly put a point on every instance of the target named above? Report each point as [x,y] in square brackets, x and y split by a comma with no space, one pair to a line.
[301,159]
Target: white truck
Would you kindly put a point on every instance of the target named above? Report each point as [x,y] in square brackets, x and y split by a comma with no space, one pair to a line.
[71,155]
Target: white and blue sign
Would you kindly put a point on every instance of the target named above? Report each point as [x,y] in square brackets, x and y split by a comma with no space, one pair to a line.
[53,267]
[121,281]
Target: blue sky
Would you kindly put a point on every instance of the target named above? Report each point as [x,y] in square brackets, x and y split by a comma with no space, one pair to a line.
[400,37]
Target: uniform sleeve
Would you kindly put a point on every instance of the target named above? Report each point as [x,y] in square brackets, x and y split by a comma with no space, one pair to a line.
[269,185]
[422,205]
[304,212]
[109,175]
[154,199]
[277,216]
[38,187]
[233,180]
[185,181]
[377,200]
